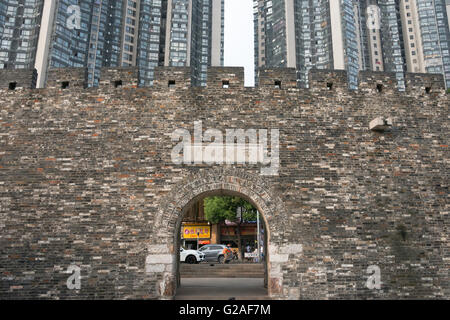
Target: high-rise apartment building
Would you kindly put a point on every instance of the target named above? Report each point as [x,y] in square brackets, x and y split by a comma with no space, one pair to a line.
[195,36]
[379,35]
[447,4]
[19,32]
[391,36]
[306,34]
[109,33]
[426,36]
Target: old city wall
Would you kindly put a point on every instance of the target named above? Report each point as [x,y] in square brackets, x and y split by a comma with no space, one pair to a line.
[86,178]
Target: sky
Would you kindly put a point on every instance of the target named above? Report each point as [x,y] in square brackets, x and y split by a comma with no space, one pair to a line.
[239,37]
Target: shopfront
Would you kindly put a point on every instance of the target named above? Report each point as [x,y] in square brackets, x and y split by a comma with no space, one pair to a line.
[193,236]
[248,235]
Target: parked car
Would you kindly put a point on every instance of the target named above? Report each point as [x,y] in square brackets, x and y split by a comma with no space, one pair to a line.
[191,256]
[213,252]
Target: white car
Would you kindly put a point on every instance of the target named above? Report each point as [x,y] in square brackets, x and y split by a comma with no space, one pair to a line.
[191,256]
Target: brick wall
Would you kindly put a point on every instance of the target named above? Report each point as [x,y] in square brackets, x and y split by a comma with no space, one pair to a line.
[86,179]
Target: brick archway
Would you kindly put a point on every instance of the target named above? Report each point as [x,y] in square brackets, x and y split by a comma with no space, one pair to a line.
[217,181]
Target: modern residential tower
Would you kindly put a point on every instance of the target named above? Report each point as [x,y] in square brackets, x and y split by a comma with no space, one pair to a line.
[426,36]
[379,35]
[306,34]
[447,4]
[19,32]
[109,33]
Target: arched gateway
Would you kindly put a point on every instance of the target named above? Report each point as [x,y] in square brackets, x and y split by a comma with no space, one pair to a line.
[163,255]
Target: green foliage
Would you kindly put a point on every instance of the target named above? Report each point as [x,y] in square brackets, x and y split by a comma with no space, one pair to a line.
[448,91]
[221,208]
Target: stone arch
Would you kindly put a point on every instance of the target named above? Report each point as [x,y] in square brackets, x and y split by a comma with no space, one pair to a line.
[227,181]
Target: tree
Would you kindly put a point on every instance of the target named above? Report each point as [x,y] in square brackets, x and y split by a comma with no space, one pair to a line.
[221,208]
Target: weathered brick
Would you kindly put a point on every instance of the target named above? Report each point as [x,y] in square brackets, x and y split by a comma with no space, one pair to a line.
[86,179]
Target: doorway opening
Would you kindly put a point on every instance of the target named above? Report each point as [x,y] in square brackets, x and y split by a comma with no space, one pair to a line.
[222,240]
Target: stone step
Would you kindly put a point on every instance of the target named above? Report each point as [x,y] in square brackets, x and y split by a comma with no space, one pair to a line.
[193,297]
[221,266]
[186,276]
[221,289]
[235,263]
[222,269]
[219,269]
[222,272]
[226,274]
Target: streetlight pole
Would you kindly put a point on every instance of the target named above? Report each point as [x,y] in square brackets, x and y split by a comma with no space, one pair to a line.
[258,235]
[239,214]
[198,235]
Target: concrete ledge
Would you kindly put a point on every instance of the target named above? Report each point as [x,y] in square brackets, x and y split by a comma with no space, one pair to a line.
[159,258]
[279,257]
[291,249]
[152,268]
[158,248]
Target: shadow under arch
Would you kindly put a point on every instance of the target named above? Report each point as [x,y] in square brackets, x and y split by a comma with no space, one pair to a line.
[219,181]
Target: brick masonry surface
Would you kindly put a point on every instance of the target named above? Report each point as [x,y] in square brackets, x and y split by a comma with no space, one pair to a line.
[86,179]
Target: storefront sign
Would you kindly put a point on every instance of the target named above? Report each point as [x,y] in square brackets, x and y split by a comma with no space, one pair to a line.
[232,231]
[190,232]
